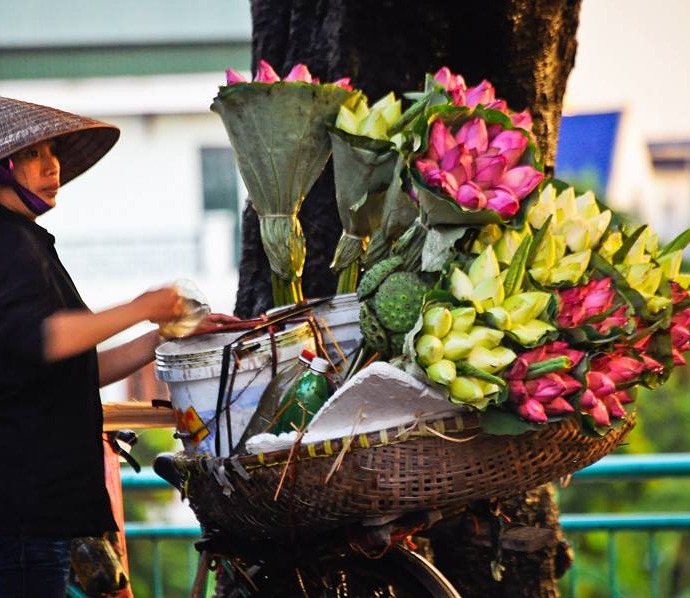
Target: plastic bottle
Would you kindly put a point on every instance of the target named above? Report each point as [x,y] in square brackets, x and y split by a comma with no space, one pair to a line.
[304,398]
[264,417]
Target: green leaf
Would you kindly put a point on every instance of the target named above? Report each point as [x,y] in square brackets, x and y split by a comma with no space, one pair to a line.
[625,248]
[515,274]
[538,238]
[438,246]
[278,132]
[440,209]
[503,423]
[679,243]
[466,369]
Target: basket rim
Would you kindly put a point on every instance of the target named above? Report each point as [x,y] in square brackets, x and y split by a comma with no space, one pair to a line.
[461,427]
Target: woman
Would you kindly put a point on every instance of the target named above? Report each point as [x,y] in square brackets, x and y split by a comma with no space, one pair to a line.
[50,372]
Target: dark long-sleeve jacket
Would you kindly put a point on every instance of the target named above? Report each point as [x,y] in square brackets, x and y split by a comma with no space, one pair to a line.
[51,449]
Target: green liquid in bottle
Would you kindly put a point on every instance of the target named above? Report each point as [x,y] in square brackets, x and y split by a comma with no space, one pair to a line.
[304,398]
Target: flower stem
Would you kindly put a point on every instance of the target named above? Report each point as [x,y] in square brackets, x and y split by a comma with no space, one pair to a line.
[285,292]
[348,278]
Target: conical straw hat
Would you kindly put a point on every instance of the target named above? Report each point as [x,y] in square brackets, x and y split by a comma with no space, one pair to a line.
[81,141]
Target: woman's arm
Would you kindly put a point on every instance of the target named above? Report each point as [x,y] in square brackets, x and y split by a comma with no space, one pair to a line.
[70,332]
[121,361]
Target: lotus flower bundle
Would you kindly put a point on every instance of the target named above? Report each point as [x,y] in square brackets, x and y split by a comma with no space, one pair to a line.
[590,309]
[278,131]
[513,294]
[364,160]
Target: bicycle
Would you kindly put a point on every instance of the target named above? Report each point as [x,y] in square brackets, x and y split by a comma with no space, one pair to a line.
[346,562]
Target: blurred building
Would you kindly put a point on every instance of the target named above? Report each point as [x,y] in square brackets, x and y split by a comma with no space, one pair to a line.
[164,203]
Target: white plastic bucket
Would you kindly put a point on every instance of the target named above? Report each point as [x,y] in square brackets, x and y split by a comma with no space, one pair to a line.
[191,369]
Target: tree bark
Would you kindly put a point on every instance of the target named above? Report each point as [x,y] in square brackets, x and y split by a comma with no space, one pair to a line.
[526,49]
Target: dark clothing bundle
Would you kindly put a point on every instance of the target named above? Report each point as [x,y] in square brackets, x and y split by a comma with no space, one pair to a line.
[51,445]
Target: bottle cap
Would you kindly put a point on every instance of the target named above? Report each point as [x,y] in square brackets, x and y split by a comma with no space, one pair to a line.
[319,364]
[307,355]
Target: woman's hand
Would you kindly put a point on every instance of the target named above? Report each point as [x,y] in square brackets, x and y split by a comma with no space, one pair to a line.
[214,322]
[161,305]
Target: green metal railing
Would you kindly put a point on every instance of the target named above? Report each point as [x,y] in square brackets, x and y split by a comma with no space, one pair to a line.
[611,468]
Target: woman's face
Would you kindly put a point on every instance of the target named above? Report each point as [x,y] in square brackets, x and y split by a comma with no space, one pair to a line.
[38,169]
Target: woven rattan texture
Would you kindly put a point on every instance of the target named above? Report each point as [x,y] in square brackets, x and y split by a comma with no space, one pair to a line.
[418,472]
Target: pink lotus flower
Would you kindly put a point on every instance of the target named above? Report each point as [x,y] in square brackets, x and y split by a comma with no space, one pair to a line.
[481,94]
[533,411]
[476,169]
[578,305]
[518,370]
[265,73]
[559,406]
[550,389]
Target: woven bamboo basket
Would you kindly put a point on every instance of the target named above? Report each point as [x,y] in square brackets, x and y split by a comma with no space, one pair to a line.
[435,465]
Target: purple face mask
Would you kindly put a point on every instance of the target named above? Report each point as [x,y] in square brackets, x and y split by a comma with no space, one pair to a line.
[32,201]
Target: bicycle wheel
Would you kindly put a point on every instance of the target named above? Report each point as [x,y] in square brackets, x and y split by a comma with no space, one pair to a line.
[400,573]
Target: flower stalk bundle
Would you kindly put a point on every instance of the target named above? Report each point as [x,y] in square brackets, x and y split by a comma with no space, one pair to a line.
[515,295]
[278,131]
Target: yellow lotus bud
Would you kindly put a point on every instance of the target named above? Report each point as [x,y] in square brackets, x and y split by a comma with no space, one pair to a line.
[526,306]
[531,332]
[460,285]
[508,244]
[611,244]
[463,318]
[429,349]
[644,278]
[490,360]
[546,253]
[489,234]
[499,318]
[456,345]
[657,303]
[638,252]
[442,372]
[576,234]
[437,320]
[670,264]
[373,126]
[347,120]
[543,207]
[565,205]
[389,108]
[483,336]
[571,267]
[503,357]
[598,226]
[488,293]
[541,275]
[586,205]
[489,388]
[485,266]
[465,390]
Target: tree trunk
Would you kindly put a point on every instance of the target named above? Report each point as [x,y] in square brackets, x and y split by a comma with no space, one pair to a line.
[527,50]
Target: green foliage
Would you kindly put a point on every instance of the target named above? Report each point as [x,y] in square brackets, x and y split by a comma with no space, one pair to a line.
[663,420]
